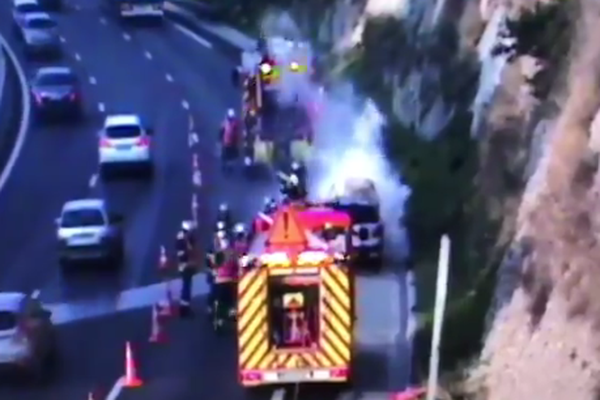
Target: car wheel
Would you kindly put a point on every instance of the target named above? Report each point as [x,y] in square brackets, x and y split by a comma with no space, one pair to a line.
[105,172]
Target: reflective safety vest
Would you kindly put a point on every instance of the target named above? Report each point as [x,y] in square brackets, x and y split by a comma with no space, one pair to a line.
[227,272]
[229,133]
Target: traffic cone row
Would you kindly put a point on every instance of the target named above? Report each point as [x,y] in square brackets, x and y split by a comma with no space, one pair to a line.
[162,309]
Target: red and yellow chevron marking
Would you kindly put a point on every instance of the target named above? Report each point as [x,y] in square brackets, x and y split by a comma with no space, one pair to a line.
[336,318]
[253,335]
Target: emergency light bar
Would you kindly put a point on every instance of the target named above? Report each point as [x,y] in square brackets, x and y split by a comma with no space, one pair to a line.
[294,66]
[304,259]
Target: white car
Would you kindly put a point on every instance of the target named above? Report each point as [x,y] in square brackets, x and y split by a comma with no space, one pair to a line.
[124,144]
[20,9]
[86,232]
[359,198]
[28,342]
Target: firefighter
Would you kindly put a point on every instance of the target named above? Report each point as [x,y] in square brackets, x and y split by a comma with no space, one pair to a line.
[225,286]
[292,189]
[224,217]
[230,137]
[269,205]
[240,240]
[300,171]
[186,272]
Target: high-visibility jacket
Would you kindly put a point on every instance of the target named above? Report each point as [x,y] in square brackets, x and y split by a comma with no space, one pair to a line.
[230,133]
[182,248]
[227,272]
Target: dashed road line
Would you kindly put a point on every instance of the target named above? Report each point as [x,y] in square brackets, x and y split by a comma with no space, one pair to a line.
[101,107]
[126,36]
[169,78]
[103,21]
[93,181]
[77,57]
[63,40]
[193,36]
[185,104]
[93,80]
[148,55]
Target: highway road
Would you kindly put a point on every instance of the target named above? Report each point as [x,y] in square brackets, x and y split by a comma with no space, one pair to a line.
[181,84]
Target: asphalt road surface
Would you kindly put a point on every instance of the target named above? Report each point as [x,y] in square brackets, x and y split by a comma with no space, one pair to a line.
[182,86]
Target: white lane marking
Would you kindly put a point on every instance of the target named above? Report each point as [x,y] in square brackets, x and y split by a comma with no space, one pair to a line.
[195,37]
[193,139]
[93,181]
[128,300]
[116,389]
[101,107]
[126,37]
[148,55]
[24,123]
[185,104]
[103,21]
[77,57]
[169,78]
[279,394]
[197,179]
[93,80]
[63,40]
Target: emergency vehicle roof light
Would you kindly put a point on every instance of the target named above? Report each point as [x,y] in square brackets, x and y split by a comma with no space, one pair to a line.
[265,68]
[305,259]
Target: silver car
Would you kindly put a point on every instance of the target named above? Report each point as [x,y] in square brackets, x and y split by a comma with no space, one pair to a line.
[124,144]
[87,232]
[39,33]
[28,343]
[20,9]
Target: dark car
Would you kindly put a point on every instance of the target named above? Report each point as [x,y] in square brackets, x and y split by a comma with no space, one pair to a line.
[56,93]
[39,33]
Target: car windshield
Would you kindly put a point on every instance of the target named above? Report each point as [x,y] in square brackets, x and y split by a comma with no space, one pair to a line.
[81,218]
[41,23]
[123,131]
[55,79]
[28,8]
[8,320]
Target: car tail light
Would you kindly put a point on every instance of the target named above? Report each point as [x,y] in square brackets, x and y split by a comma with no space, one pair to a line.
[105,143]
[144,141]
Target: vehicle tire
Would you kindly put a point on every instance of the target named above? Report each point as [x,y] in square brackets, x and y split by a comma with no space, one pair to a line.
[105,172]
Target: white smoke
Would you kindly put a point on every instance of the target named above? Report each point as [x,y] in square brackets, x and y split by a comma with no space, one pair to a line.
[348,135]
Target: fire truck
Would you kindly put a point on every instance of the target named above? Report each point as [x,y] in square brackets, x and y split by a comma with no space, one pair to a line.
[295,308]
[277,119]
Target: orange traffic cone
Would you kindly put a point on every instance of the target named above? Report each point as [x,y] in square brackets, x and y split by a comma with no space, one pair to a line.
[163,261]
[157,333]
[167,306]
[131,379]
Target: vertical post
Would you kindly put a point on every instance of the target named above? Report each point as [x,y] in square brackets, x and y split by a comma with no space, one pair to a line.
[438,316]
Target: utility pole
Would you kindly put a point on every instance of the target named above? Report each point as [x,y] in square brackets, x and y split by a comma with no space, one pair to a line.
[441,292]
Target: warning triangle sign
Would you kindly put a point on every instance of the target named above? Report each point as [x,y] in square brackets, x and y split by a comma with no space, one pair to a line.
[293,300]
[287,229]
